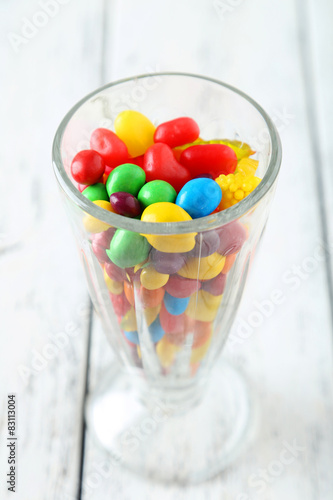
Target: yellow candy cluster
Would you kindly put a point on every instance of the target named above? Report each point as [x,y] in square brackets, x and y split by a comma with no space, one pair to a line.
[235,187]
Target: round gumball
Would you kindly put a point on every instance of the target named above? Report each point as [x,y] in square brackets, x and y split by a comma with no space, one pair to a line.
[199,197]
[213,159]
[151,279]
[96,192]
[155,192]
[135,130]
[127,178]
[177,132]
[182,287]
[125,204]
[232,237]
[206,243]
[216,285]
[87,167]
[168,263]
[128,248]
[174,305]
[160,164]
[112,149]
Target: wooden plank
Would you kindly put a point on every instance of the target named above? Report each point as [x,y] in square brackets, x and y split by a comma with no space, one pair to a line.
[288,357]
[44,321]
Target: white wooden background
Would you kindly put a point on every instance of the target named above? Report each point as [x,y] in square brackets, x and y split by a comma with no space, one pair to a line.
[280,52]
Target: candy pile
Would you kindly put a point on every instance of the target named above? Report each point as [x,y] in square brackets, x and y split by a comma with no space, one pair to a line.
[173,283]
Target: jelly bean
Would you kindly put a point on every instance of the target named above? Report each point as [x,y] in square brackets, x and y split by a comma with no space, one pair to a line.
[125,204]
[216,285]
[151,313]
[214,159]
[96,192]
[168,263]
[232,237]
[199,197]
[138,160]
[229,262]
[114,272]
[109,146]
[151,298]
[129,292]
[155,192]
[151,279]
[133,337]
[113,286]
[128,178]
[199,353]
[87,167]
[100,242]
[128,248]
[172,324]
[174,305]
[204,268]
[241,149]
[128,322]
[177,132]
[203,306]
[181,287]
[120,304]
[160,164]
[206,243]
[135,130]
[93,225]
[156,331]
[168,212]
[166,352]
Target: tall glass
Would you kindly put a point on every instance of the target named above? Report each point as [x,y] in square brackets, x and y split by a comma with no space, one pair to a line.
[167,409]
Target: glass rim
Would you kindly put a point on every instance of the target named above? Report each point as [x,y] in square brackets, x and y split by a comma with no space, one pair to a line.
[195,225]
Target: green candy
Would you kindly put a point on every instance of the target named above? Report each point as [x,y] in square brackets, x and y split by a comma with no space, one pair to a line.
[96,192]
[127,249]
[128,178]
[155,192]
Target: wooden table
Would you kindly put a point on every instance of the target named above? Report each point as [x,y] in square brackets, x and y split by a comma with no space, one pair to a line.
[280,52]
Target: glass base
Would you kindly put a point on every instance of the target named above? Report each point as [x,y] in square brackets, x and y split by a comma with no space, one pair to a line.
[154,439]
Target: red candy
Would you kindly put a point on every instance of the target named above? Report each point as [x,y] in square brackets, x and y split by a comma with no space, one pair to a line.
[137,160]
[112,149]
[120,304]
[87,167]
[214,159]
[114,272]
[160,164]
[171,323]
[232,237]
[125,204]
[216,285]
[181,287]
[177,132]
[101,241]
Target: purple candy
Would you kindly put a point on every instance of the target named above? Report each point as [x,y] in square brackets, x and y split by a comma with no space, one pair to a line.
[167,263]
[232,237]
[101,241]
[216,285]
[125,204]
[205,244]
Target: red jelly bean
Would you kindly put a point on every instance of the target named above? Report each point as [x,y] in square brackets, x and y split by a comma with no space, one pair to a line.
[213,159]
[114,272]
[125,204]
[160,164]
[171,323]
[177,132]
[112,149]
[181,287]
[216,285]
[87,167]
[137,160]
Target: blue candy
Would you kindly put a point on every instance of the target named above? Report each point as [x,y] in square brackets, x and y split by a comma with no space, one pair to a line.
[132,337]
[156,331]
[199,197]
[174,305]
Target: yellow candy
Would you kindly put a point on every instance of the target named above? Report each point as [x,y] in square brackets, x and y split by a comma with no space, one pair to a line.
[168,212]
[203,306]
[200,352]
[128,322]
[237,186]
[166,352]
[247,166]
[138,349]
[204,268]
[151,314]
[135,130]
[93,225]
[151,279]
[115,287]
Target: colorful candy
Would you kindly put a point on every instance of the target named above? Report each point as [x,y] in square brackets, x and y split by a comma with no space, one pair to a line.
[174,305]
[128,248]
[152,279]
[128,178]
[155,192]
[96,192]
[177,132]
[125,204]
[135,130]
[235,187]
[87,167]
[94,225]
[199,197]
[112,149]
[214,159]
